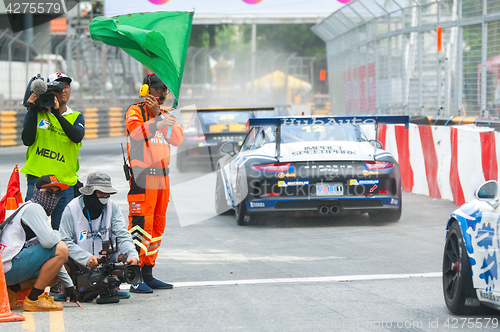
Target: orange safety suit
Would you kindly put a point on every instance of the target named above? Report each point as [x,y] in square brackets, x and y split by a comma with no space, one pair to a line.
[149,155]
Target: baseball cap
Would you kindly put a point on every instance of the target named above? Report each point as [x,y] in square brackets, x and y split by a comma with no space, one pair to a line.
[156,82]
[50,181]
[98,181]
[59,77]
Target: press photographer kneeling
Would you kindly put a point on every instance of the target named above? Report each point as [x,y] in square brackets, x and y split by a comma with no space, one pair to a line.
[87,222]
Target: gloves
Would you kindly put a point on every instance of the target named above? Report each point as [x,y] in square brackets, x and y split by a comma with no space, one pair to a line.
[71,293]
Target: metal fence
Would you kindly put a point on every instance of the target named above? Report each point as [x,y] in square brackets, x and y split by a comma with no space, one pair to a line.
[383,57]
[107,76]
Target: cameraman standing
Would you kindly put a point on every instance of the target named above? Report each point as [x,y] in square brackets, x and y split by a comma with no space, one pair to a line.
[53,136]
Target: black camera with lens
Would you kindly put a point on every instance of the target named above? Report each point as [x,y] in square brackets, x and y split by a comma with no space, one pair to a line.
[106,277]
[46,91]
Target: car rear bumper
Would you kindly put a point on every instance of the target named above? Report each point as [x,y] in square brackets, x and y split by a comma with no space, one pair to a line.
[363,204]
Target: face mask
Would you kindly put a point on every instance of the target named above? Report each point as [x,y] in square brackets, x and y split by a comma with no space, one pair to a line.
[103,200]
[47,201]
[94,205]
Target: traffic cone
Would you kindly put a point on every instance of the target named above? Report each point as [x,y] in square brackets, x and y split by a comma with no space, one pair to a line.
[10,206]
[5,314]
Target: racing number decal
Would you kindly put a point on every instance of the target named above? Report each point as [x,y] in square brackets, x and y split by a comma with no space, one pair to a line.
[315,129]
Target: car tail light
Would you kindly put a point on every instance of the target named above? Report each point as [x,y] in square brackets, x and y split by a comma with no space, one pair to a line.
[276,167]
[271,195]
[196,138]
[378,164]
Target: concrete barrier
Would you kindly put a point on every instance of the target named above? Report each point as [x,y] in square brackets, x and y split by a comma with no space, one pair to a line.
[447,162]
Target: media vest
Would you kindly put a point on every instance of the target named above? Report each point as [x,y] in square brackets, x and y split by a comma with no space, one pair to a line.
[53,152]
[13,238]
[84,236]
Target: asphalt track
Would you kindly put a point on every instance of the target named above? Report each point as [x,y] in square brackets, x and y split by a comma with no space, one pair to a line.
[288,274]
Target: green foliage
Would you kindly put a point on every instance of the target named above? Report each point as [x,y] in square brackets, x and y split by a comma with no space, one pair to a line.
[287,38]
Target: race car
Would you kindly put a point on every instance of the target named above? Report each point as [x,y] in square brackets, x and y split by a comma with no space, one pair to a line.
[472,252]
[317,165]
[209,128]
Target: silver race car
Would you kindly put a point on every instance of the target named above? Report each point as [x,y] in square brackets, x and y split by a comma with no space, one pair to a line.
[315,165]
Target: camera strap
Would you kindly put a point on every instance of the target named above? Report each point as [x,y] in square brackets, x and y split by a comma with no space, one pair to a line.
[92,231]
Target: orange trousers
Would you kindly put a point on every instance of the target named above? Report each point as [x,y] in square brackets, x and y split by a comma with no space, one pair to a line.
[148,200]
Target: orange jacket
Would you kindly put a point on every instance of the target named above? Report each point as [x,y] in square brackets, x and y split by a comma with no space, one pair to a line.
[146,148]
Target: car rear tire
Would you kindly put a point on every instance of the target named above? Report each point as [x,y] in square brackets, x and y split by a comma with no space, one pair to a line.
[387,215]
[457,275]
[243,218]
[221,206]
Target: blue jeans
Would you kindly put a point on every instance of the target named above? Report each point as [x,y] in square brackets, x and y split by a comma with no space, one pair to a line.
[66,197]
[27,264]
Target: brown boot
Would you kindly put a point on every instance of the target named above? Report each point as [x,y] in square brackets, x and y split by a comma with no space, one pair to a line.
[43,303]
[13,300]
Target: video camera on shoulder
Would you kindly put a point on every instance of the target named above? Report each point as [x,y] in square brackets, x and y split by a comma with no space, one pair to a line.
[46,91]
[106,277]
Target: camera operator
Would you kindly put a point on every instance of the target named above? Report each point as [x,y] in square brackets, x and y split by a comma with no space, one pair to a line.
[89,220]
[33,253]
[53,136]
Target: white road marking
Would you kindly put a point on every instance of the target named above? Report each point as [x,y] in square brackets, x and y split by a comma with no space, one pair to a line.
[301,280]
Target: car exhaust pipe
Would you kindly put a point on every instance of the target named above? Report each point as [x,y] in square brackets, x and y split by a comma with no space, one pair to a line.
[323,209]
[334,209]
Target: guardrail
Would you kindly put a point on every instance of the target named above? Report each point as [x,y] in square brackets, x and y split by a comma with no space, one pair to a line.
[110,122]
[99,123]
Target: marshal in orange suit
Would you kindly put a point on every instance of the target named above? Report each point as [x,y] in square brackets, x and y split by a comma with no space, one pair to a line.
[149,154]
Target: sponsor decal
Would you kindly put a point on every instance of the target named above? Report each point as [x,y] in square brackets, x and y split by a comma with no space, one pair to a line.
[489,296]
[136,208]
[394,201]
[324,149]
[2,247]
[355,182]
[281,175]
[293,183]
[323,189]
[50,154]
[368,173]
[83,235]
[373,188]
[131,112]
[327,121]
[257,204]
[44,124]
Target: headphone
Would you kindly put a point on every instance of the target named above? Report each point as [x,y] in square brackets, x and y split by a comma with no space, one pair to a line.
[144,92]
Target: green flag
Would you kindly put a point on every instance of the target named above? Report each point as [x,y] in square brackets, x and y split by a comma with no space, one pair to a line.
[157,40]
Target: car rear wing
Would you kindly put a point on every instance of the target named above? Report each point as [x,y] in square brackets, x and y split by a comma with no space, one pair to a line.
[330,120]
[327,120]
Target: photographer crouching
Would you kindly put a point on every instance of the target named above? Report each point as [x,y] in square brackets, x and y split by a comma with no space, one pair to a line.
[88,222]
[53,133]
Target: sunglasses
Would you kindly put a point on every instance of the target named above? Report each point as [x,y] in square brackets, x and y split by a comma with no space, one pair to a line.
[162,89]
[52,192]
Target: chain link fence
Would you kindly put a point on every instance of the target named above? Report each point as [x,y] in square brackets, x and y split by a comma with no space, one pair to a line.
[383,57]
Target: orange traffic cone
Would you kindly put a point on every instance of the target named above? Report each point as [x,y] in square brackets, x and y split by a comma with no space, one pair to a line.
[5,314]
[10,206]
